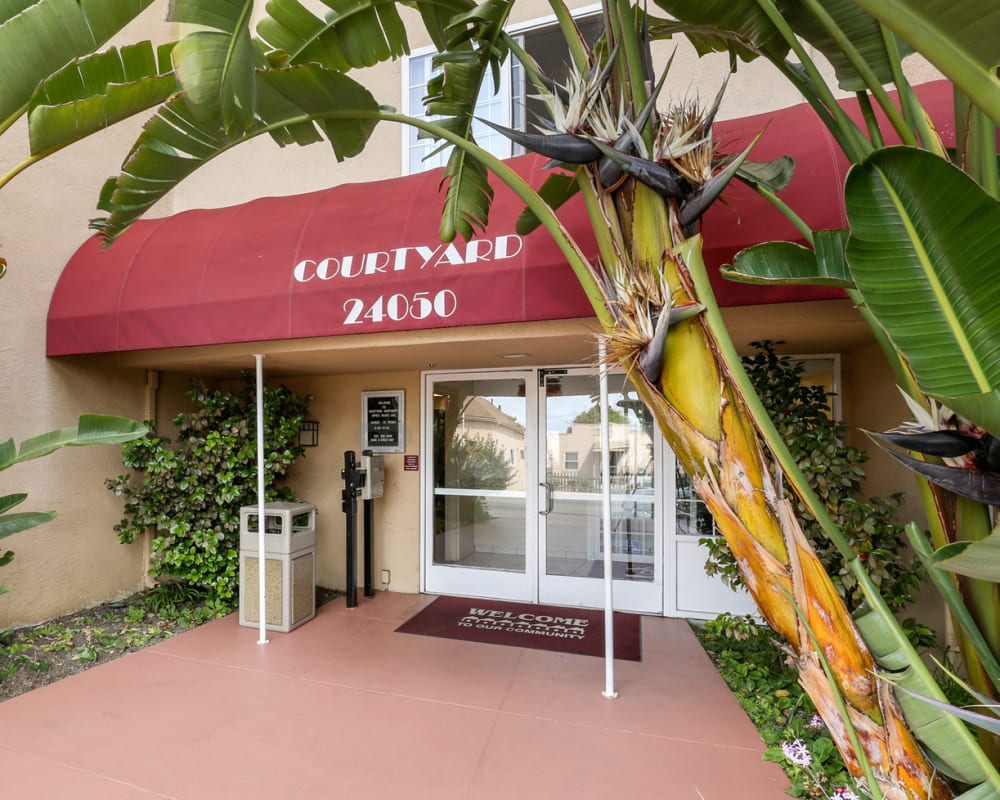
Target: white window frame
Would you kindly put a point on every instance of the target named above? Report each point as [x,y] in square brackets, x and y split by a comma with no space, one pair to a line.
[511,87]
[508,77]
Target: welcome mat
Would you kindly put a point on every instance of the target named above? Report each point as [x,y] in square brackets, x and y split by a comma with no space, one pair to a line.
[565,630]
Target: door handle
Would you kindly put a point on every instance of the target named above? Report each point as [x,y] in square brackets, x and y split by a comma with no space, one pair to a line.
[548,498]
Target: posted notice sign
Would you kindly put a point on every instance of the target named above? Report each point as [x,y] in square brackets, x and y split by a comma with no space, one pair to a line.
[383,421]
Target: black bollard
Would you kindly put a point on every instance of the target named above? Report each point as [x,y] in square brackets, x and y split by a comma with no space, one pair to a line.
[353,478]
[369,507]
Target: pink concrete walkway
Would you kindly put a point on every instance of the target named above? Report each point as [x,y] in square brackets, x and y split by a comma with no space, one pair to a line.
[344,707]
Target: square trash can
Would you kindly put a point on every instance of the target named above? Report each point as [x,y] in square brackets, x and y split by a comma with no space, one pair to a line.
[289,565]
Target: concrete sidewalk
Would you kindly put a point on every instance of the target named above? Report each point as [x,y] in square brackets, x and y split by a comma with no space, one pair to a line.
[346,707]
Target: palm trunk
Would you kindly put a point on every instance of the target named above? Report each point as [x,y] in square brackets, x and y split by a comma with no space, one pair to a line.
[705,419]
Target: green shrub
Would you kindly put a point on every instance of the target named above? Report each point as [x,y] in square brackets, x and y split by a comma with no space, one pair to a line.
[804,420]
[191,494]
[751,661]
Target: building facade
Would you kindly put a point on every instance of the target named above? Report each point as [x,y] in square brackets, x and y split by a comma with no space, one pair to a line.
[334,273]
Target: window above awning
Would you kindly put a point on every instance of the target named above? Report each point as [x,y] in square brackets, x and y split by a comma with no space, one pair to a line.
[366,258]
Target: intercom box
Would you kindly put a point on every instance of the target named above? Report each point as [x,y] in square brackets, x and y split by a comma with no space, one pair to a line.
[374,469]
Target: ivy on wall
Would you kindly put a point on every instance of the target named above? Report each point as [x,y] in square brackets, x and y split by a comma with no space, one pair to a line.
[190,492]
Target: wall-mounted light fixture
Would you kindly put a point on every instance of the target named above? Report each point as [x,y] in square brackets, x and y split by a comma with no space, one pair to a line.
[309,433]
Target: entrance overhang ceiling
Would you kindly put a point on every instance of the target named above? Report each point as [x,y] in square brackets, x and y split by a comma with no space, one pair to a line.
[358,260]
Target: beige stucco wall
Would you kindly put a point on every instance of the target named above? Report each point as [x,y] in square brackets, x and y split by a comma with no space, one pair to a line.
[337,406]
[874,403]
[76,560]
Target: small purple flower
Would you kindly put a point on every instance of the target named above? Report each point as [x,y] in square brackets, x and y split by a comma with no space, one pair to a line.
[843,793]
[797,753]
[816,722]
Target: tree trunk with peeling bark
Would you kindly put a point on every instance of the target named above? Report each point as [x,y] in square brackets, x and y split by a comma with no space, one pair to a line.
[704,417]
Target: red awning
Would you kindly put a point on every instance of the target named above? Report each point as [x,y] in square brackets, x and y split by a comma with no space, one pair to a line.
[366,258]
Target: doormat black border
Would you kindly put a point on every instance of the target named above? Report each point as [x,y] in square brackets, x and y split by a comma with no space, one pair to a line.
[500,622]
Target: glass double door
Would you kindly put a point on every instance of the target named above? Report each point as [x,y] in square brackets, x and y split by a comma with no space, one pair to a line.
[514,492]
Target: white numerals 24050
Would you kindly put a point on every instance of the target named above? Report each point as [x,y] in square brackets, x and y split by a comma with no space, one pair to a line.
[398,307]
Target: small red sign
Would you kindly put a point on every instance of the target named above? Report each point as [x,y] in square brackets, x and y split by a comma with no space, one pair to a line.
[411,463]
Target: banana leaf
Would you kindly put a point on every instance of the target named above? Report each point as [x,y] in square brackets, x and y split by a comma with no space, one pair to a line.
[215,68]
[975,559]
[745,21]
[955,601]
[984,721]
[91,429]
[437,18]
[740,27]
[860,29]
[337,103]
[789,263]
[929,277]
[38,38]
[558,188]
[770,175]
[96,91]
[958,38]
[949,743]
[354,35]
[982,792]
[293,104]
[7,502]
[452,96]
[15,523]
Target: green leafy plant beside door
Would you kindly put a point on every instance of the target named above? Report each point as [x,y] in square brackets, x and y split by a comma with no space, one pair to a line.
[190,493]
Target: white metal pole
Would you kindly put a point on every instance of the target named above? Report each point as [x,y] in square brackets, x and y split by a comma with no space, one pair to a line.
[261,583]
[609,626]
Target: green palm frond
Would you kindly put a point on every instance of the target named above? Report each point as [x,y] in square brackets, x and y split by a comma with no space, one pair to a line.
[723,22]
[353,33]
[94,92]
[22,521]
[740,28]
[467,199]
[298,104]
[38,38]
[215,68]
[958,38]
[452,95]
